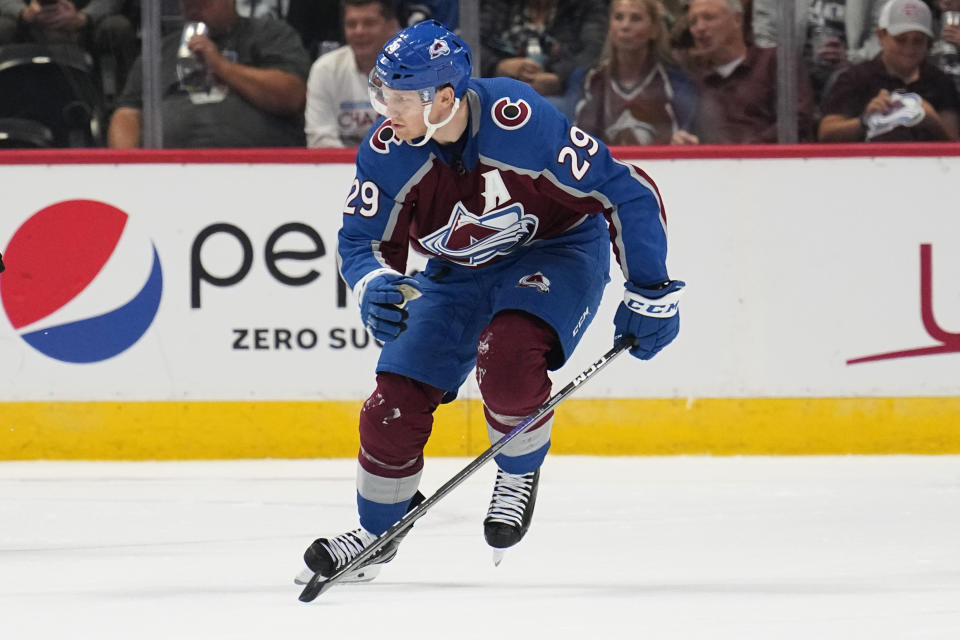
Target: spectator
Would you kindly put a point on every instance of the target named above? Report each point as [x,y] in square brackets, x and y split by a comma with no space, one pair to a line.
[852,21]
[737,82]
[898,96]
[339,112]
[944,52]
[445,11]
[680,39]
[254,93]
[541,42]
[319,21]
[830,34]
[97,26]
[634,95]
[263,8]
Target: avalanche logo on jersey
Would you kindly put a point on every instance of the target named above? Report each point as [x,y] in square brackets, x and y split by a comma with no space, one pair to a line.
[473,240]
[439,48]
[536,281]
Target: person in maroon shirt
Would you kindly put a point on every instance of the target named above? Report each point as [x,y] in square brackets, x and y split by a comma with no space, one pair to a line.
[898,96]
[738,82]
[635,94]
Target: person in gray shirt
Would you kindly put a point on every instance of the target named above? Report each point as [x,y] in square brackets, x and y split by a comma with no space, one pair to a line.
[251,91]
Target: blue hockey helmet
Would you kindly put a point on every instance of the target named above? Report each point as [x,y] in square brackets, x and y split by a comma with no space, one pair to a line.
[413,65]
[425,56]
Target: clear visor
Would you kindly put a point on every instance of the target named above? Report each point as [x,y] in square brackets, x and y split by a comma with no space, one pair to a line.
[388,102]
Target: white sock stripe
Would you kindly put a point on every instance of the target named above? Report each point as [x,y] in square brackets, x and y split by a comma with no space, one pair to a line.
[526,442]
[505,420]
[386,490]
[379,463]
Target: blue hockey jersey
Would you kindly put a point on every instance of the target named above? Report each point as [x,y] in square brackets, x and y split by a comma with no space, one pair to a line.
[525,174]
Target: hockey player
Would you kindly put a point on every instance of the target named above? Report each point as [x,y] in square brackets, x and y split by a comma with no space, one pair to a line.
[508,201]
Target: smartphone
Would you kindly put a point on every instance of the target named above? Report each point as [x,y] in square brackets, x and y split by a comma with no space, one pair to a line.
[48,2]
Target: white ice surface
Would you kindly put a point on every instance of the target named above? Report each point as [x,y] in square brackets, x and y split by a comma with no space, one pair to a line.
[685,547]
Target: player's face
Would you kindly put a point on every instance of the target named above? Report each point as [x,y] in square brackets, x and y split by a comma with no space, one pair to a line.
[408,121]
[631,25]
[405,110]
[904,53]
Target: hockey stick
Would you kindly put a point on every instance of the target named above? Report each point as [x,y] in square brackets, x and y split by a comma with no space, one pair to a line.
[318,585]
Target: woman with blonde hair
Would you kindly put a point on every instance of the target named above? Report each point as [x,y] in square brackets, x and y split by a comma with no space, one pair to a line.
[635,95]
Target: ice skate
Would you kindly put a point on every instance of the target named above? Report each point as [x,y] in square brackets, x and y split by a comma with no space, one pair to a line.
[326,556]
[511,510]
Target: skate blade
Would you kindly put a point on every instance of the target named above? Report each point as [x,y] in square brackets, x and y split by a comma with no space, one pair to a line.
[303,577]
[498,556]
[366,574]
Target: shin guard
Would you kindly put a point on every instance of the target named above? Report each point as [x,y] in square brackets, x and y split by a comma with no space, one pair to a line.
[395,423]
[512,375]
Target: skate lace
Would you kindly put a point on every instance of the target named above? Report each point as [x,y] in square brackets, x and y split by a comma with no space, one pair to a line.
[511,493]
[347,546]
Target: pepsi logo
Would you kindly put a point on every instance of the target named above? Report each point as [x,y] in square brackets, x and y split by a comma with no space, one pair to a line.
[82,283]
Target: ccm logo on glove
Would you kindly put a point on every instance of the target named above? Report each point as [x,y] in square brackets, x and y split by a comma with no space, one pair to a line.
[651,315]
[664,307]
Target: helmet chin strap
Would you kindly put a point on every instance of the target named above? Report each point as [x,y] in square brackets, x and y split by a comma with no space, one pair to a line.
[431,127]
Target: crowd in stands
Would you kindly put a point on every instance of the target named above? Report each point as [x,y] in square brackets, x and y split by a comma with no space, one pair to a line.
[289,73]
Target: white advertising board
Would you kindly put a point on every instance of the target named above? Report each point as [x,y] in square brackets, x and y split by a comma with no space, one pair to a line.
[795,268]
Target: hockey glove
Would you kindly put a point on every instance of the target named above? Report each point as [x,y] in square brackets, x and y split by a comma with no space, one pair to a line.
[381,304]
[651,316]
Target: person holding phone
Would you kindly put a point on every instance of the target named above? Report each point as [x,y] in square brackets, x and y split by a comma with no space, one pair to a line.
[945,51]
[55,20]
[98,26]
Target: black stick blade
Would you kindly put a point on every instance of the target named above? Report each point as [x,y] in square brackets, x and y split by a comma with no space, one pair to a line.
[313,589]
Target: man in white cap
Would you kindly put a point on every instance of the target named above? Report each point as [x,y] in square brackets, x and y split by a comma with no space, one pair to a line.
[897,96]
